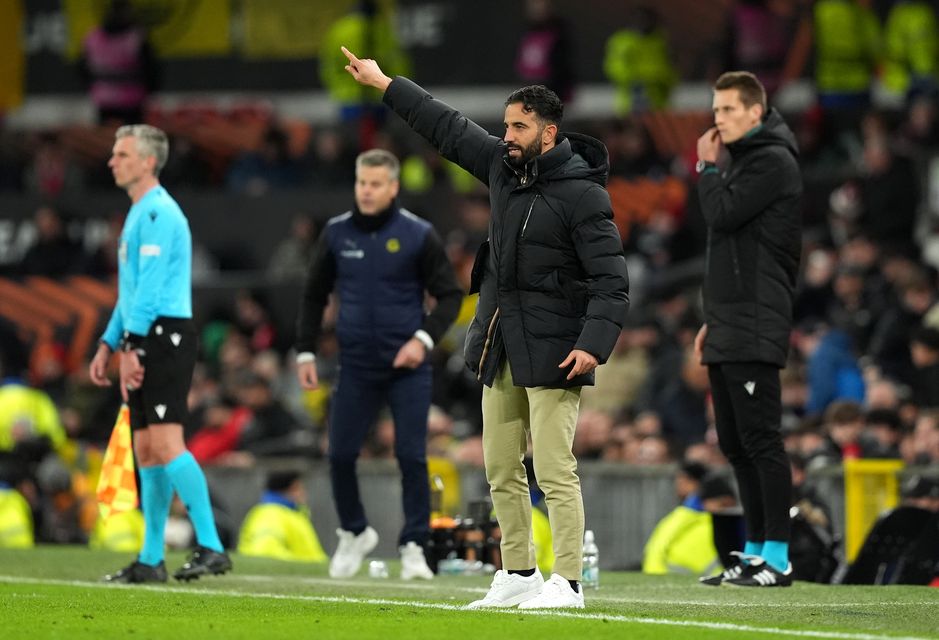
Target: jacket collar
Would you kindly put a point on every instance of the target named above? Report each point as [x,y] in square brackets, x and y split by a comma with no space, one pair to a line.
[272,497]
[542,164]
[375,222]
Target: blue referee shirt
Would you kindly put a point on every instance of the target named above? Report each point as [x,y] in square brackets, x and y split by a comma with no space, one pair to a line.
[154,267]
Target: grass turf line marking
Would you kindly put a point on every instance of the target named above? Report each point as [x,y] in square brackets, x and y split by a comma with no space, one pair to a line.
[391,583]
[716,626]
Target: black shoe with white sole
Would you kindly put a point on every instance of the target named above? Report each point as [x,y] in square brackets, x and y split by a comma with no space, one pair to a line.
[204,562]
[733,571]
[137,573]
[760,574]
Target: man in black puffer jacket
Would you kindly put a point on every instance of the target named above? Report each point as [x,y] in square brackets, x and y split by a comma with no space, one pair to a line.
[751,207]
[553,298]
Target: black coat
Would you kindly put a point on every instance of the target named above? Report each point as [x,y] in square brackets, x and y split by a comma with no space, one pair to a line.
[552,276]
[753,248]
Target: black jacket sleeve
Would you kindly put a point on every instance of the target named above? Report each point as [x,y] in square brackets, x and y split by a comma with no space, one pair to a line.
[440,281]
[600,249]
[729,206]
[455,136]
[320,279]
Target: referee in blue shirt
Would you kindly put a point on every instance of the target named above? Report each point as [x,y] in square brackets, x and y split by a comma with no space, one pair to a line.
[152,328]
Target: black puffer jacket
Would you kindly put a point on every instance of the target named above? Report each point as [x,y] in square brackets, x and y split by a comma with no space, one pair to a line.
[552,277]
[754,245]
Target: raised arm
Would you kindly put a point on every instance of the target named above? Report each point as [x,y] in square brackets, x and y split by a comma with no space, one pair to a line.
[455,136]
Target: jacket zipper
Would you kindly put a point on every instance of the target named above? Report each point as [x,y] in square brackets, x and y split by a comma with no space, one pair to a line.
[482,358]
[530,207]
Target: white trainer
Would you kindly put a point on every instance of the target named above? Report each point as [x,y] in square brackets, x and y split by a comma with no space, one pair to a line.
[413,563]
[352,549]
[510,589]
[557,594]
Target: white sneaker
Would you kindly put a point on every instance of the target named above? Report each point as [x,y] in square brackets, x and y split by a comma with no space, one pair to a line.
[351,551]
[413,563]
[510,589]
[557,594]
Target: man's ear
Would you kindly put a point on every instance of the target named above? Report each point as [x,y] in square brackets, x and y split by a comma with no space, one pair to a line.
[549,134]
[759,110]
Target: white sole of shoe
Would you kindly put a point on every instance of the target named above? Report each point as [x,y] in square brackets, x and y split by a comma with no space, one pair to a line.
[514,601]
[559,606]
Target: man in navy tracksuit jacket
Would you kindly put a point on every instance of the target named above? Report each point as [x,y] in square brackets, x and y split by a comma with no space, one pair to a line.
[379,259]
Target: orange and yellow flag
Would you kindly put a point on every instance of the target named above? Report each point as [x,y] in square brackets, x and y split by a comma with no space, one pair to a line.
[117,486]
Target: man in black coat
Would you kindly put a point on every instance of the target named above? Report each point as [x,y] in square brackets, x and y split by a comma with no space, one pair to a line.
[553,299]
[751,207]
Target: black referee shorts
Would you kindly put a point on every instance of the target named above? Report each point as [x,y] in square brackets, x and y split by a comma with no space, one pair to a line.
[169,359]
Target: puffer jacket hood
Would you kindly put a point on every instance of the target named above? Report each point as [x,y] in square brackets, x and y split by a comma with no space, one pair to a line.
[589,161]
[772,132]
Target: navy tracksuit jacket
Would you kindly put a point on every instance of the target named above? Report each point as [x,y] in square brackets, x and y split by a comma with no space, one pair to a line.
[379,266]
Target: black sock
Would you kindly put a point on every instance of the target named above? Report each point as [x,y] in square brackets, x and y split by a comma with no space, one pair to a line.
[525,572]
[575,586]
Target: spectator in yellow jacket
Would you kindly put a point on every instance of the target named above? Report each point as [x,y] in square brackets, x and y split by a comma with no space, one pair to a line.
[279,525]
[638,63]
[119,532]
[28,419]
[368,30]
[16,516]
[683,541]
[16,520]
[911,47]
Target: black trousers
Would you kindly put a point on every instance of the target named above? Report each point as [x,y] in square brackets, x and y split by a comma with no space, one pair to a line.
[747,412]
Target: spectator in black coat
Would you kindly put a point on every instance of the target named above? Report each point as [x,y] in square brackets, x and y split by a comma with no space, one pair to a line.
[924,350]
[54,254]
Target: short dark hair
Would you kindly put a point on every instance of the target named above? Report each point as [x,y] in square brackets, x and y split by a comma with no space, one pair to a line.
[694,470]
[279,481]
[715,486]
[541,100]
[750,88]
[843,412]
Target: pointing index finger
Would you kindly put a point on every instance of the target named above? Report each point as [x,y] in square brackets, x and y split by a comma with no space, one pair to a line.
[349,55]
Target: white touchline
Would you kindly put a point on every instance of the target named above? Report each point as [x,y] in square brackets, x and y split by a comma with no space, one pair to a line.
[413,586]
[718,626]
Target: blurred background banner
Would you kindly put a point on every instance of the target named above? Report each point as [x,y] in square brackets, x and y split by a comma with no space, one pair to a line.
[192,28]
[11,54]
[281,29]
[213,45]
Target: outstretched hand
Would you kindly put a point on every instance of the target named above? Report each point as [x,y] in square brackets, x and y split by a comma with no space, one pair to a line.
[366,71]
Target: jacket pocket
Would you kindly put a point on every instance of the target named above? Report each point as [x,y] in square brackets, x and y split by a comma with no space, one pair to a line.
[479,267]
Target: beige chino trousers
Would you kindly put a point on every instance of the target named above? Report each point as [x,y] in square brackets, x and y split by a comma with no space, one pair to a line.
[510,414]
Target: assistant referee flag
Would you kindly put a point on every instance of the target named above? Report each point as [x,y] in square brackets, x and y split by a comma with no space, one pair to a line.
[117,486]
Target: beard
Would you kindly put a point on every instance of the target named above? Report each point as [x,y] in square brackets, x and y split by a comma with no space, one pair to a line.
[531,151]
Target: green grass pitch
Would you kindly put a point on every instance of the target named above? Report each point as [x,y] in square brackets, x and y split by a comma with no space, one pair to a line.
[54,592]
